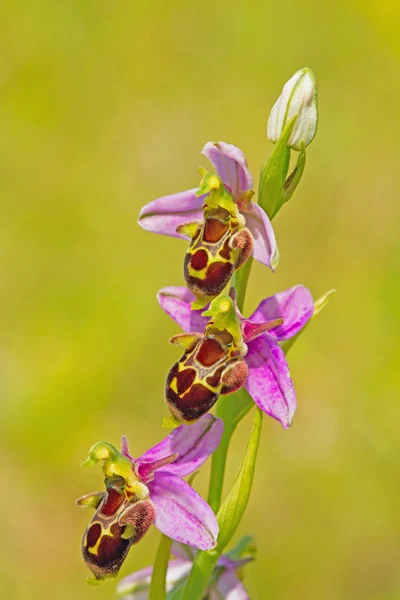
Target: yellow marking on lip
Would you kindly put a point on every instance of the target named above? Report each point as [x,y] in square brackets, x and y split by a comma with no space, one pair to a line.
[174,385]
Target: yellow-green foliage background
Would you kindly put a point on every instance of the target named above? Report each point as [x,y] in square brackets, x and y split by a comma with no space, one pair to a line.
[104,106]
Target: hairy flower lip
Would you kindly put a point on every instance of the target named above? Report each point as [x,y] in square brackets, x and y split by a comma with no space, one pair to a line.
[269,382]
[167,213]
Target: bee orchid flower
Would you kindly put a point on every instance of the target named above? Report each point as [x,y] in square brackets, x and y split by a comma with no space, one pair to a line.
[149,489]
[228,351]
[223,223]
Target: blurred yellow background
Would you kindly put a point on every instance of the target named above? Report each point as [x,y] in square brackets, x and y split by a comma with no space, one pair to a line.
[104,106]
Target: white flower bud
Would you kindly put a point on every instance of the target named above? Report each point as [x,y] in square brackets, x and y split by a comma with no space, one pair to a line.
[298,98]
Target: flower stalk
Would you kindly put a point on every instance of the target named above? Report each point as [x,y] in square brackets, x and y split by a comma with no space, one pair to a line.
[229,516]
[223,354]
[157,587]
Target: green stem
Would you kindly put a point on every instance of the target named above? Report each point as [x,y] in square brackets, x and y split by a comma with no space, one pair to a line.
[240,281]
[157,589]
[228,517]
[237,402]
[231,409]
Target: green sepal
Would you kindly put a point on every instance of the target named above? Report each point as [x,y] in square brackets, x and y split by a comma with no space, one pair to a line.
[274,172]
[224,317]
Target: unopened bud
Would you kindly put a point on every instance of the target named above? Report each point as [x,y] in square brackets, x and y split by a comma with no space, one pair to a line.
[298,100]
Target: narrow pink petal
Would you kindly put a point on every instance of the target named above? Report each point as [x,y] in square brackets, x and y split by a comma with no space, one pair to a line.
[295,306]
[229,587]
[193,444]
[165,214]
[231,166]
[175,301]
[252,330]
[265,248]
[125,448]
[181,513]
[269,382]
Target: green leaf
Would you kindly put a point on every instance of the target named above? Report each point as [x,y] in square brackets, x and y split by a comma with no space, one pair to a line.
[231,512]
[231,409]
[274,172]
[322,302]
[294,178]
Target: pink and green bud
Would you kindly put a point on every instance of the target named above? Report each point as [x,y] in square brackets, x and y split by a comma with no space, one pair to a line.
[297,103]
[292,125]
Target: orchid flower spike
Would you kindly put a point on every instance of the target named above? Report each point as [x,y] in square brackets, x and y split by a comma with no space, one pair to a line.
[140,491]
[225,582]
[224,225]
[228,351]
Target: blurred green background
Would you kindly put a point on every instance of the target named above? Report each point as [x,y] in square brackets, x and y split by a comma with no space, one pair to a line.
[104,106]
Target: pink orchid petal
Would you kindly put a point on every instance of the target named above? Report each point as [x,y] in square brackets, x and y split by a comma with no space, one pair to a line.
[229,587]
[231,166]
[175,301]
[165,214]
[135,585]
[269,382]
[252,330]
[295,306]
[193,444]
[181,513]
[265,248]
